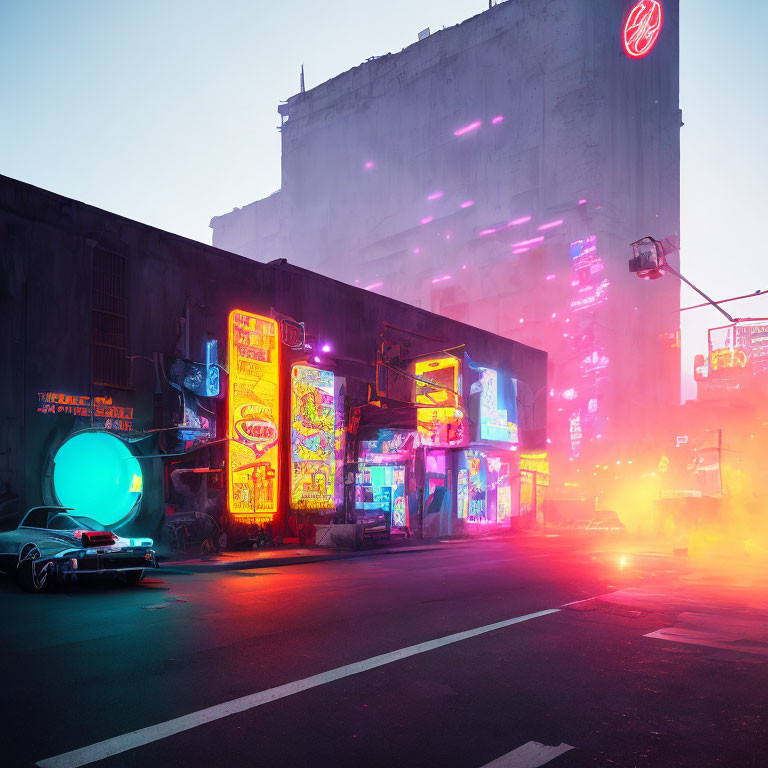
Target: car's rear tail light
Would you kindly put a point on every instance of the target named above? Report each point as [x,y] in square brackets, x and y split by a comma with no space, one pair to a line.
[98,538]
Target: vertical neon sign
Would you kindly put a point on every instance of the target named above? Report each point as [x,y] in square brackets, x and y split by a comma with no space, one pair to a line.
[252,422]
[313,449]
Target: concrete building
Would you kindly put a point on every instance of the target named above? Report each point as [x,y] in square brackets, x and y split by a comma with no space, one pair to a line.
[126,342]
[496,172]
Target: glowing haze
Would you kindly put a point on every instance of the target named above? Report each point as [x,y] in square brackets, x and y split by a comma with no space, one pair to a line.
[166,112]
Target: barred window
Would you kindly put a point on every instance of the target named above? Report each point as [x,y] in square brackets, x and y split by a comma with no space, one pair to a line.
[109,321]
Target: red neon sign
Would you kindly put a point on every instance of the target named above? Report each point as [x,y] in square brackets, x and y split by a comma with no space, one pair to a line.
[642,28]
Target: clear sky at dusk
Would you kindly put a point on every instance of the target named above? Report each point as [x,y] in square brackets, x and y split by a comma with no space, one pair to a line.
[166,112]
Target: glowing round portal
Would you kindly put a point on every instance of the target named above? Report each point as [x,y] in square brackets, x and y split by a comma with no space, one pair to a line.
[642,28]
[98,476]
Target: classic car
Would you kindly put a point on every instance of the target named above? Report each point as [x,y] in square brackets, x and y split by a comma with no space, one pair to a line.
[51,545]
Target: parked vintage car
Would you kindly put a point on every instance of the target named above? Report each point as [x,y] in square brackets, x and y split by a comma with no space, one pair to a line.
[52,545]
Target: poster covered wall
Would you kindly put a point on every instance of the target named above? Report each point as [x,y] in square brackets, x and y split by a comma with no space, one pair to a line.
[313,438]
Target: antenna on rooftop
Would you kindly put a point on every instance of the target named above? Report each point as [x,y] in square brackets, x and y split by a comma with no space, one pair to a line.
[301,80]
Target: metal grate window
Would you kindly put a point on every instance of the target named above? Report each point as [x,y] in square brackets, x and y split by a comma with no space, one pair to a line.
[109,321]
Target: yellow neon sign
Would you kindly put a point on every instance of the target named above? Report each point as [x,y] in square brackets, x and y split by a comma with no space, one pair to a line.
[440,420]
[536,461]
[254,416]
[313,444]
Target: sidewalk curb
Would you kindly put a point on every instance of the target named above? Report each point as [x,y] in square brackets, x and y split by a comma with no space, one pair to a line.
[274,562]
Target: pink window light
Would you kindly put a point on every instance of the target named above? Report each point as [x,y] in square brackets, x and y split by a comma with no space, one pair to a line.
[468,128]
[532,241]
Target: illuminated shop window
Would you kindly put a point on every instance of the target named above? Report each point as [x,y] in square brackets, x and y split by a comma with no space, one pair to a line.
[97,475]
[252,424]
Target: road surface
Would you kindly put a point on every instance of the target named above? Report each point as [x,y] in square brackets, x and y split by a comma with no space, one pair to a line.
[510,653]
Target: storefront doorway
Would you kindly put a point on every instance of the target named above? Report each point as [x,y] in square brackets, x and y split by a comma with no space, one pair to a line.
[382,487]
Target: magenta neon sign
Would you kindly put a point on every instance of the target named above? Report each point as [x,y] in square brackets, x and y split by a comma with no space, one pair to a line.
[642,28]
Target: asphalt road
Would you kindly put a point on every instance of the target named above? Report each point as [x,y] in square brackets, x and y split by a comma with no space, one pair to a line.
[81,668]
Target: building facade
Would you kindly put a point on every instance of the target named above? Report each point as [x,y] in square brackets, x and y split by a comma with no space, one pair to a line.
[150,380]
[496,172]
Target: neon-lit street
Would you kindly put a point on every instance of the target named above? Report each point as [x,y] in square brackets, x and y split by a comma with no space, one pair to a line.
[383,384]
[587,675]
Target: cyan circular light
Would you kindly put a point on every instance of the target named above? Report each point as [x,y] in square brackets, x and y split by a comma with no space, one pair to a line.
[95,473]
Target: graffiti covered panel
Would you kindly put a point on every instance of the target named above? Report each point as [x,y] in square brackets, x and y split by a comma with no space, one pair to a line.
[254,408]
[313,438]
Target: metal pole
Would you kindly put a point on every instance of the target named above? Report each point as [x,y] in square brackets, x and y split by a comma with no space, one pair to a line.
[725,301]
[700,292]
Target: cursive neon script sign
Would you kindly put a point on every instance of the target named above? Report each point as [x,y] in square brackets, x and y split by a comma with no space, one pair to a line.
[642,28]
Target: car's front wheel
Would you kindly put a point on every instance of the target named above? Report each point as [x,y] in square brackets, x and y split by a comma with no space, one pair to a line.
[132,578]
[31,574]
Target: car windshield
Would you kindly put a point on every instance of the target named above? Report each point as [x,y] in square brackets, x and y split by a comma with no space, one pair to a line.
[62,522]
[54,519]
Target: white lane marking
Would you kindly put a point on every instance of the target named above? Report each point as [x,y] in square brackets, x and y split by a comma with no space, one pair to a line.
[127,741]
[530,755]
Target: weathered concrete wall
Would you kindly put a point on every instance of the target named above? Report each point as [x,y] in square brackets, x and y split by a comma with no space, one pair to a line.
[581,122]
[46,248]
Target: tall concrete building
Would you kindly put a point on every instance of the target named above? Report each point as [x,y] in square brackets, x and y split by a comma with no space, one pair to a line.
[496,172]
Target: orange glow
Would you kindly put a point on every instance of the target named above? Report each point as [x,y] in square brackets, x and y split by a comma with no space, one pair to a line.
[442,424]
[254,411]
[727,358]
[537,461]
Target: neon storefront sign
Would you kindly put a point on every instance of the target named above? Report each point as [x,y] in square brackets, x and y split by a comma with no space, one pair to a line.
[498,418]
[313,449]
[642,28]
[252,423]
[440,420]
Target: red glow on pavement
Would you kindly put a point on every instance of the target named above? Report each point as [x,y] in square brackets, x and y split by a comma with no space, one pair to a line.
[468,128]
